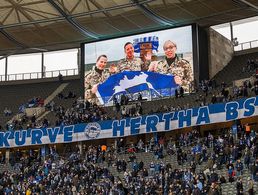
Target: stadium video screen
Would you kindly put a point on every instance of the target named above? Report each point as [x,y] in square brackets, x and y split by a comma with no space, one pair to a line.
[151,65]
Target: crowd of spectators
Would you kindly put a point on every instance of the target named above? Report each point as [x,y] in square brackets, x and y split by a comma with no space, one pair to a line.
[32,103]
[88,171]
[80,112]
[250,65]
[7,111]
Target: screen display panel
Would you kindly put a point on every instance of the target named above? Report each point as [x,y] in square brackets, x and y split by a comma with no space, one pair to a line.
[144,66]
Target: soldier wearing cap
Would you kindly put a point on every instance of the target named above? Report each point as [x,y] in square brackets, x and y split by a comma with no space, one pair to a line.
[97,75]
[173,64]
[130,62]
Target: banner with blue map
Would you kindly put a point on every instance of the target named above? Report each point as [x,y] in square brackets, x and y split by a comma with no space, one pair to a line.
[129,82]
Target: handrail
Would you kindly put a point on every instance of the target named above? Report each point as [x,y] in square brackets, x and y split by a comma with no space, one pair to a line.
[246,45]
[39,75]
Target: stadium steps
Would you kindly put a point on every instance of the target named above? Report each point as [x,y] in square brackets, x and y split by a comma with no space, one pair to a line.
[15,95]
[73,86]
[233,71]
[55,93]
[51,97]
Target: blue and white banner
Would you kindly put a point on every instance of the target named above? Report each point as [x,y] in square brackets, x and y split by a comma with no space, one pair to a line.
[162,122]
[134,82]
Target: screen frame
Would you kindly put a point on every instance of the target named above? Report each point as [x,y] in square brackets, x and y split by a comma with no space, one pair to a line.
[195,48]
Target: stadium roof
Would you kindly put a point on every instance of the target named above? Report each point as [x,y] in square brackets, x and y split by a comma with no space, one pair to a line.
[40,25]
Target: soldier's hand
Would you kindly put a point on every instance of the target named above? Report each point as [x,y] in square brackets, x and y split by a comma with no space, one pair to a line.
[94,88]
[153,67]
[113,68]
[178,80]
[148,56]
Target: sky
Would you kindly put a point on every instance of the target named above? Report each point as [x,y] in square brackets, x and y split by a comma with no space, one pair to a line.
[31,63]
[245,30]
[114,48]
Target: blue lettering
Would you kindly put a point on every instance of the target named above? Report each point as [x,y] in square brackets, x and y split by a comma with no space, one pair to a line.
[256,101]
[68,133]
[249,107]
[36,135]
[203,116]
[20,137]
[53,134]
[151,122]
[135,125]
[231,110]
[184,116]
[167,117]
[4,139]
[118,127]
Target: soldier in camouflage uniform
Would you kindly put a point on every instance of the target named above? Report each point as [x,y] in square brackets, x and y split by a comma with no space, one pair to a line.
[97,75]
[174,65]
[130,63]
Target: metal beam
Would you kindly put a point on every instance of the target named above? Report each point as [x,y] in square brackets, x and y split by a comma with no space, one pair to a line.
[75,24]
[60,18]
[18,7]
[12,39]
[99,7]
[24,4]
[76,5]
[153,15]
[184,9]
[250,4]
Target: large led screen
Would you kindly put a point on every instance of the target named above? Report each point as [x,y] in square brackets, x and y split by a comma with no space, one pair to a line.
[147,66]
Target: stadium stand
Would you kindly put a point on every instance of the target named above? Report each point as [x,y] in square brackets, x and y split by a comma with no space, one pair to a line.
[64,101]
[13,96]
[189,164]
[234,70]
[210,158]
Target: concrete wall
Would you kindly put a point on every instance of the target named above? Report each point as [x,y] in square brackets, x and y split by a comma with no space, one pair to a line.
[220,52]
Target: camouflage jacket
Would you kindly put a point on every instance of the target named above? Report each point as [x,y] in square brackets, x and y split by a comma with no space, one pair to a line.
[129,65]
[180,67]
[92,78]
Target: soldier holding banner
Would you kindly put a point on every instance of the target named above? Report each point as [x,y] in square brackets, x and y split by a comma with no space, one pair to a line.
[173,64]
[97,75]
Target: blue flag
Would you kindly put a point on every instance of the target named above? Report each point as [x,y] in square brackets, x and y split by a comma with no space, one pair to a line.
[135,82]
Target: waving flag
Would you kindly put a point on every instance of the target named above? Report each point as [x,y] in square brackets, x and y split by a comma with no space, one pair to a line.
[134,82]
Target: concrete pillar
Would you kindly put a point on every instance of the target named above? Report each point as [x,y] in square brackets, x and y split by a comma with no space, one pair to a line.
[80,147]
[7,156]
[231,32]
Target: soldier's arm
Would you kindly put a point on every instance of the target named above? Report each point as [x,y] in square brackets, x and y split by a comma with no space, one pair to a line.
[145,64]
[90,80]
[188,72]
[160,67]
[119,65]
[153,66]
[87,83]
